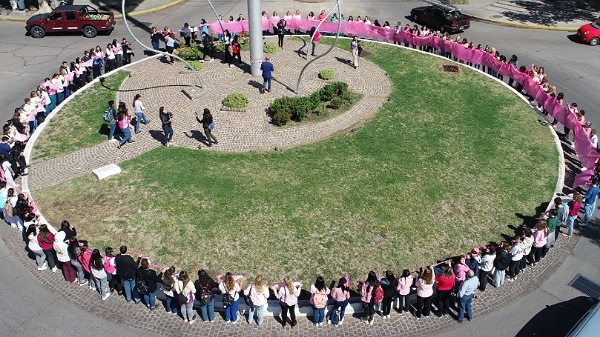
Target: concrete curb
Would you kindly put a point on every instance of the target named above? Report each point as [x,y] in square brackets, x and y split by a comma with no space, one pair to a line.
[117,16]
[523,25]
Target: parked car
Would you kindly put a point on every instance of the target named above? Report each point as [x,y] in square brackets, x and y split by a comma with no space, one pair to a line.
[71,18]
[590,33]
[441,17]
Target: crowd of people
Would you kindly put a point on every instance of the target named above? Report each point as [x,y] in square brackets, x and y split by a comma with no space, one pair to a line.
[449,284]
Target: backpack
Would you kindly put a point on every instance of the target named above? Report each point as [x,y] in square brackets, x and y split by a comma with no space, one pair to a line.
[319,299]
[335,317]
[142,287]
[206,295]
[228,300]
[378,297]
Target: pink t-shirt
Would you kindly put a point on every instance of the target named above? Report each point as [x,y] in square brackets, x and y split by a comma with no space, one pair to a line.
[404,284]
[460,271]
[539,239]
[340,295]
[574,210]
[316,37]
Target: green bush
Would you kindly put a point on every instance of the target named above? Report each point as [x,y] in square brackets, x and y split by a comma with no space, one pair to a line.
[196,65]
[280,118]
[270,48]
[337,102]
[327,74]
[332,90]
[236,100]
[315,99]
[191,53]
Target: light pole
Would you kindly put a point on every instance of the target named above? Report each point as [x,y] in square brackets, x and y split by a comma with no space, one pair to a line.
[256,37]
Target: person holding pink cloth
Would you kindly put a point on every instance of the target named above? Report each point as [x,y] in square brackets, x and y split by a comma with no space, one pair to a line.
[257,295]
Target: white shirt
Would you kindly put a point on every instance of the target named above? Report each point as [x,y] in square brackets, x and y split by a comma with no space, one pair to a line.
[138,106]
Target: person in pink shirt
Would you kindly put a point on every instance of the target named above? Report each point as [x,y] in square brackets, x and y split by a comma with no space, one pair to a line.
[424,285]
[460,272]
[540,237]
[574,206]
[404,283]
[287,294]
[257,295]
[315,39]
[341,295]
[322,16]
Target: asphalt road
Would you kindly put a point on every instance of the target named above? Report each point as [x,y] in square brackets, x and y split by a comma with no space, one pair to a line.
[25,61]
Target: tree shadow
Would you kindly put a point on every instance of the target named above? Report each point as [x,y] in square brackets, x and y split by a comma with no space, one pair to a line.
[284,85]
[544,323]
[551,12]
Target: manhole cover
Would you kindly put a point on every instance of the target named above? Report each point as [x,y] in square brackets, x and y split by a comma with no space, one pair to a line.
[451,68]
[586,286]
[496,16]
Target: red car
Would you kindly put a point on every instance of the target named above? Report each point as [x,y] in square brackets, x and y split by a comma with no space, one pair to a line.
[71,18]
[590,33]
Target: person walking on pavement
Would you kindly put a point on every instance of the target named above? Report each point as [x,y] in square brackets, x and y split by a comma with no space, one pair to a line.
[267,69]
[208,125]
[111,115]
[315,40]
[354,46]
[165,118]
[123,121]
[139,111]
[465,293]
[589,202]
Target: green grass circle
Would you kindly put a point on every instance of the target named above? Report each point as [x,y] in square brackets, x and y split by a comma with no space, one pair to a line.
[447,164]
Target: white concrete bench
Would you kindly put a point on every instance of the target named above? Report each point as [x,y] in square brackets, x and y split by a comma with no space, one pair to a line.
[106,171]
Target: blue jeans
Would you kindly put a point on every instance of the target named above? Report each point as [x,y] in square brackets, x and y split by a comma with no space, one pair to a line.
[129,286]
[156,46]
[570,222]
[33,125]
[341,306]
[207,311]
[140,118]
[499,276]
[465,305]
[168,130]
[126,135]
[260,312]
[111,133]
[231,312]
[52,104]
[589,210]
[150,299]
[267,83]
[60,96]
[319,315]
[171,304]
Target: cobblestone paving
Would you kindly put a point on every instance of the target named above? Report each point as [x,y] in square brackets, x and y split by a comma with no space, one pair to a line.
[163,84]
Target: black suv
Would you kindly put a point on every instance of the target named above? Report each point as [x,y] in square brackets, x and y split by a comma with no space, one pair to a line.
[441,17]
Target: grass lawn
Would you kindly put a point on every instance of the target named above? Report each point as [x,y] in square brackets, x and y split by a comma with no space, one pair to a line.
[79,123]
[445,165]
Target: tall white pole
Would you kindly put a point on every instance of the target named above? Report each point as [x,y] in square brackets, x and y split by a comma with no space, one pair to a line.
[256,37]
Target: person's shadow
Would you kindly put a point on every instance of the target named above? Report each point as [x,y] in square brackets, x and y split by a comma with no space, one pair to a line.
[197,135]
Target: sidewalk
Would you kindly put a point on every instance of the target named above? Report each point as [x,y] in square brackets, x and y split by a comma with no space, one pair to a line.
[567,15]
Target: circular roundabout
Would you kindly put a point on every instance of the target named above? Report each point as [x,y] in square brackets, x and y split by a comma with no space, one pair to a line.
[427,165]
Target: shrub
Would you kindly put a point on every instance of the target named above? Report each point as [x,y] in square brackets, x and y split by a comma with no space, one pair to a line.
[337,102]
[280,118]
[189,53]
[332,90]
[270,48]
[315,99]
[196,65]
[236,100]
[327,74]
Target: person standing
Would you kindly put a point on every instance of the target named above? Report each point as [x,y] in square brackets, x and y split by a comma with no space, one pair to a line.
[424,286]
[516,255]
[501,263]
[150,279]
[126,270]
[230,288]
[445,284]
[465,293]
[155,37]
[405,282]
[574,206]
[139,111]
[204,286]
[170,46]
[257,294]
[111,115]
[318,299]
[98,274]
[354,46]
[281,32]
[341,295]
[208,125]
[486,266]
[123,120]
[287,294]
[184,286]
[62,254]
[186,33]
[267,74]
[165,119]
[315,39]
[235,50]
[207,47]
[589,202]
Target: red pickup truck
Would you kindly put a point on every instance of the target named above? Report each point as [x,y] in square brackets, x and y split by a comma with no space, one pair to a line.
[71,18]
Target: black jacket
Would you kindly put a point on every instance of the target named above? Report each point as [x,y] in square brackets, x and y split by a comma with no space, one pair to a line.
[126,266]
[502,261]
[150,278]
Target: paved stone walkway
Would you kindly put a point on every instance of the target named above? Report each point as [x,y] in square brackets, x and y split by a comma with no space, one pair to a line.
[162,84]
